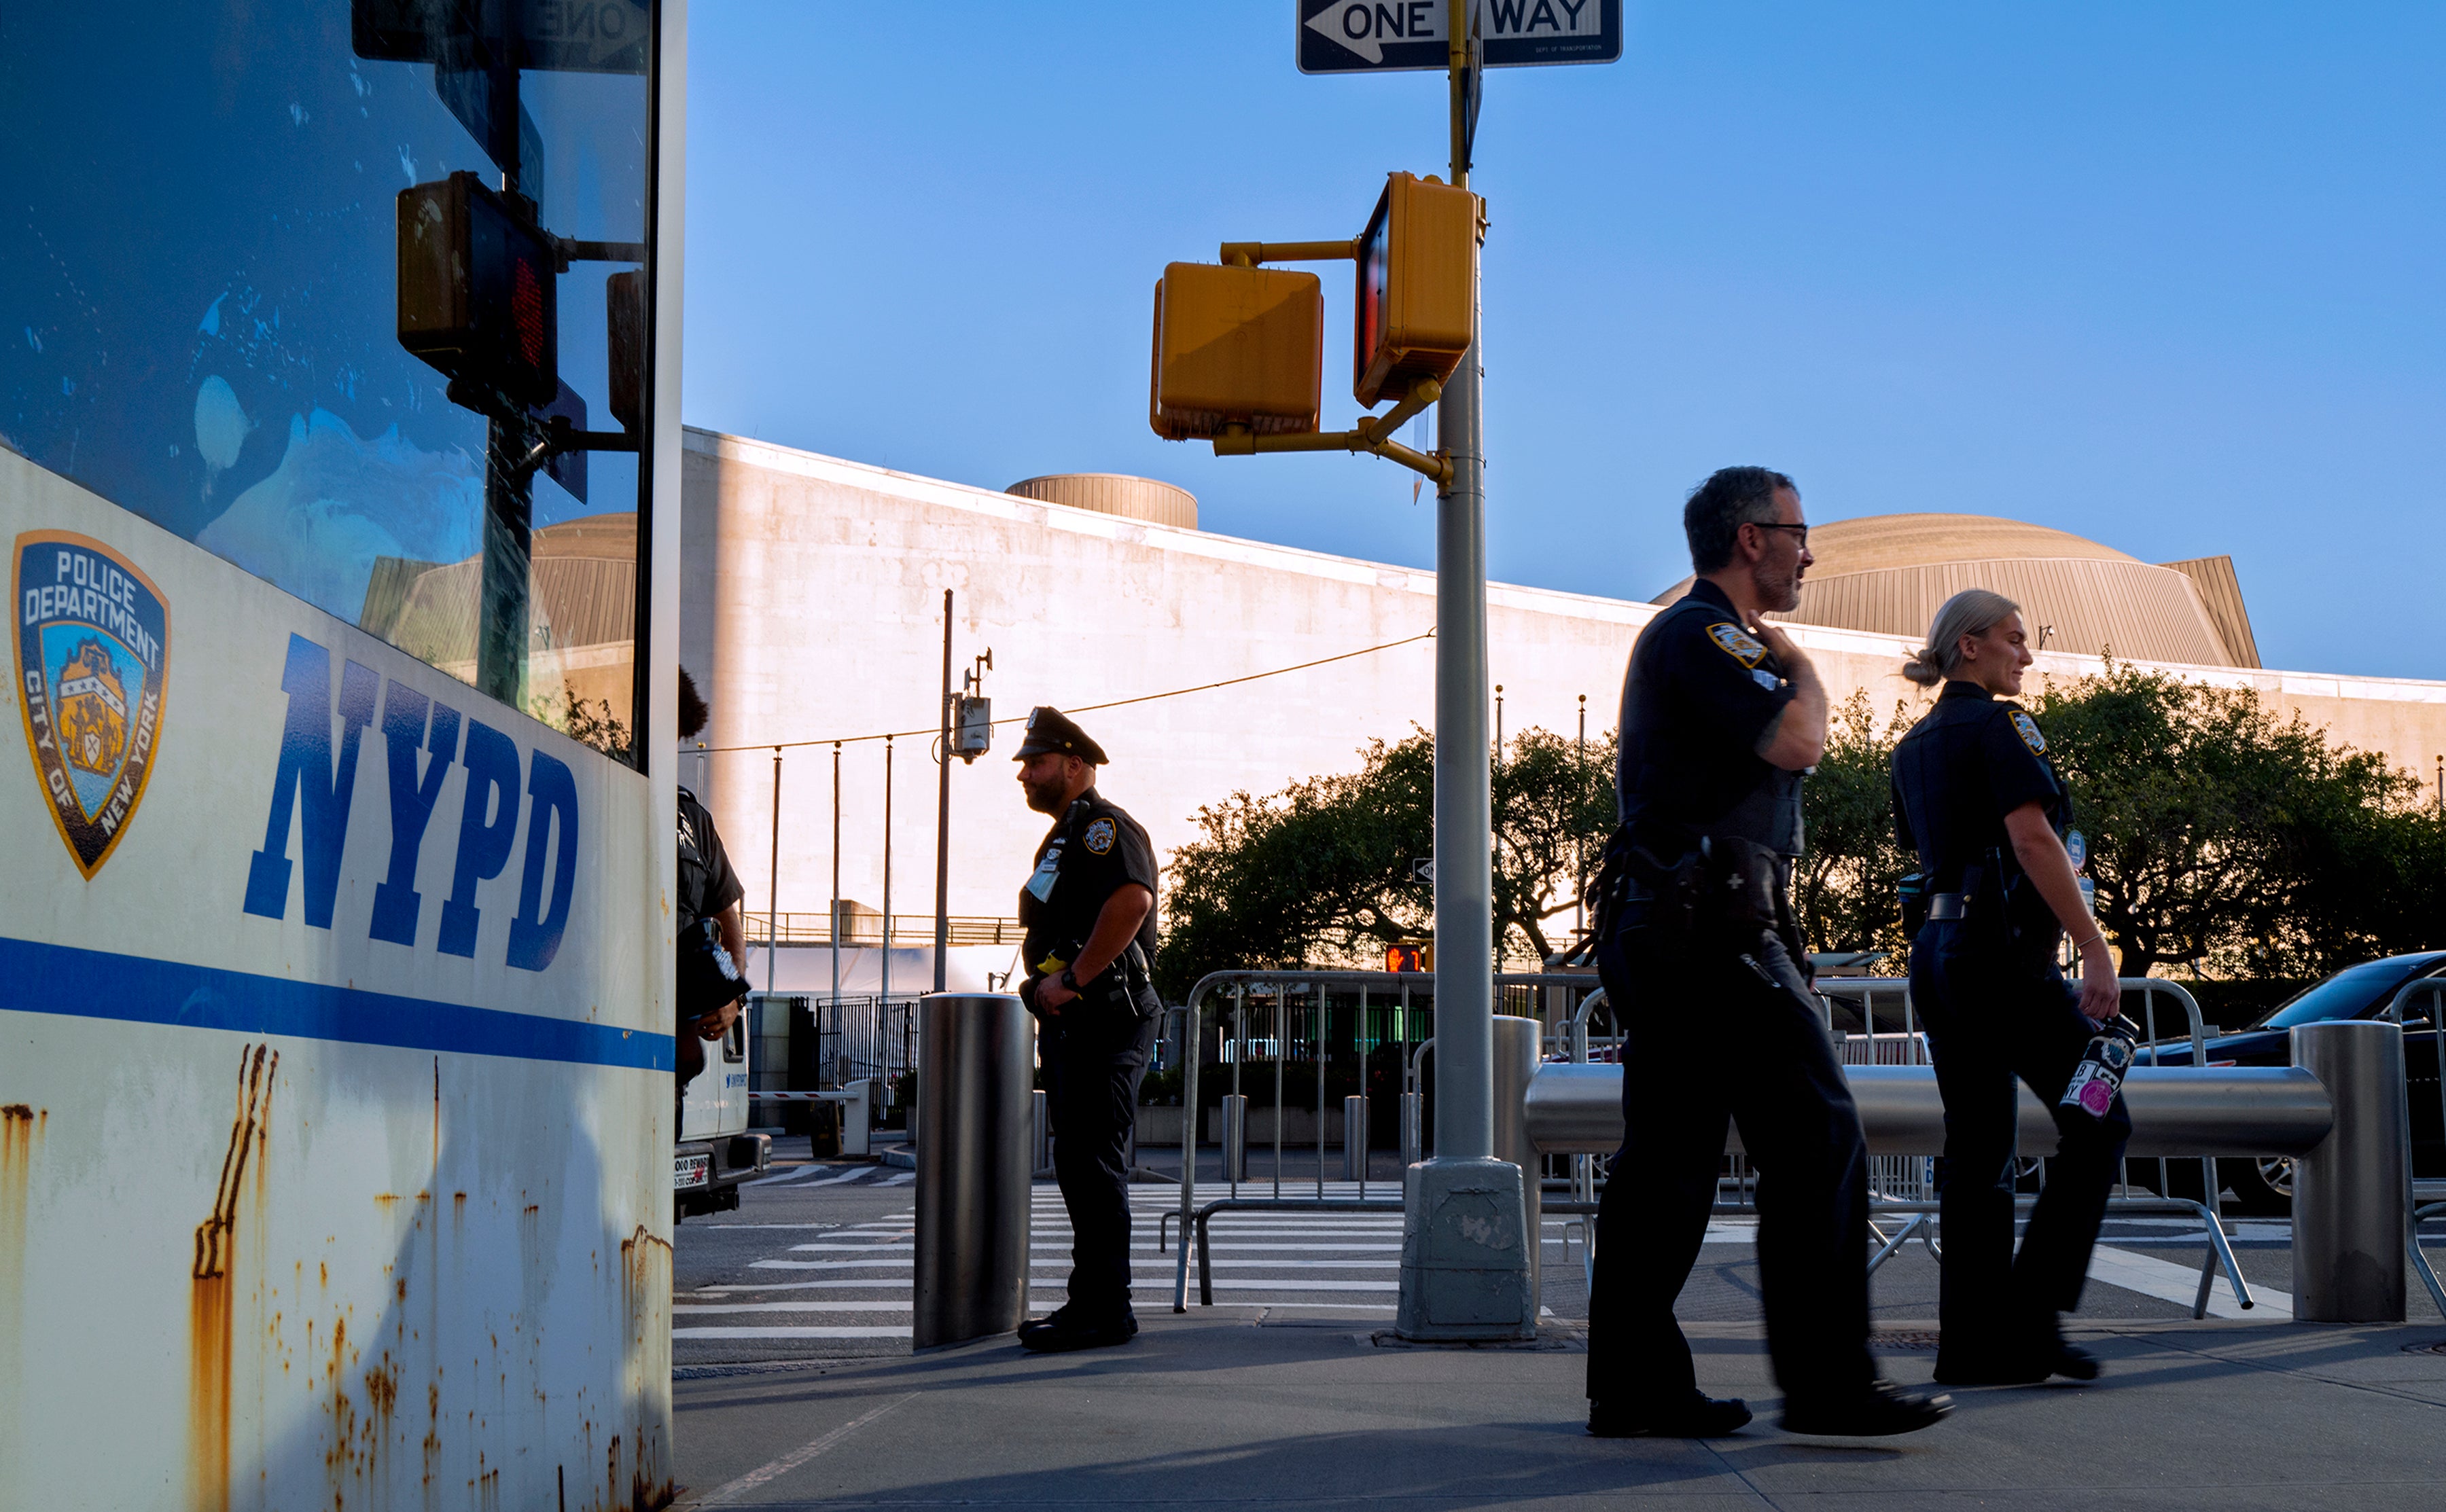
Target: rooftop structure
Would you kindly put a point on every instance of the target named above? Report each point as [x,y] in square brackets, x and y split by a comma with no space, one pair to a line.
[1887,574]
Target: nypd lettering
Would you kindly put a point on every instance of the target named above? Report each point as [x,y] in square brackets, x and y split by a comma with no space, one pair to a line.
[1736,642]
[93,661]
[313,788]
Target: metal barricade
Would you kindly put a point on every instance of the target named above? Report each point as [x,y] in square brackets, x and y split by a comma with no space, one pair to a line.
[2339,1109]
[2422,1200]
[1903,1184]
[1281,988]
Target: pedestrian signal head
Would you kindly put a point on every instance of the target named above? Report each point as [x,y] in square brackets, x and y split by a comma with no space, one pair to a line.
[1235,346]
[477,289]
[1418,266]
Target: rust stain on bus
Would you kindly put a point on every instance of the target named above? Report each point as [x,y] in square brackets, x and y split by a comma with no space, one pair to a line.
[209,1289]
[20,1130]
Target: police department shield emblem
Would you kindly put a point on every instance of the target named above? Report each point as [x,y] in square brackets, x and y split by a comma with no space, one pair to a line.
[2028,730]
[1099,837]
[93,657]
[1736,642]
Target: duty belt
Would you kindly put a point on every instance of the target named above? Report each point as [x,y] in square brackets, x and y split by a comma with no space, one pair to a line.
[1948,905]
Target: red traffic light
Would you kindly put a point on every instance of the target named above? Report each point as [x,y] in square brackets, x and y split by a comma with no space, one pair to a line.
[478,283]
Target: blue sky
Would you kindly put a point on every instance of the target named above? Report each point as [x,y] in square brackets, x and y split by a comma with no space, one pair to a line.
[2171,276]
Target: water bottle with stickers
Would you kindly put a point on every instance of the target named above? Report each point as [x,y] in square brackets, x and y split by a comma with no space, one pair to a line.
[2099,1074]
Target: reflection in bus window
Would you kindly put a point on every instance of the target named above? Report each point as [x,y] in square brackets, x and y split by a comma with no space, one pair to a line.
[200,279]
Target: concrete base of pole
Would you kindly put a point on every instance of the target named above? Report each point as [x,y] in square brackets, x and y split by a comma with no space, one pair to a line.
[1465,1253]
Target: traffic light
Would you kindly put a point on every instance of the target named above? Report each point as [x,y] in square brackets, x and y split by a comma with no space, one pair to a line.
[1236,345]
[477,289]
[1418,263]
[623,310]
[1410,957]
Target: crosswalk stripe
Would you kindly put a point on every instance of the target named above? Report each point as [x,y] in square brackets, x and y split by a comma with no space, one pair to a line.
[790,1333]
[899,1306]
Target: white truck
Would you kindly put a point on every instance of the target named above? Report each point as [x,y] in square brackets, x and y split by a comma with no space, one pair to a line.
[715,1152]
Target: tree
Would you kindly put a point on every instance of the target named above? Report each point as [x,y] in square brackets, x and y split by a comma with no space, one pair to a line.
[1843,887]
[2219,833]
[1322,872]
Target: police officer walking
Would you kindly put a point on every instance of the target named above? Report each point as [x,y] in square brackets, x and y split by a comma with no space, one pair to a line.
[1977,798]
[1088,910]
[1722,714]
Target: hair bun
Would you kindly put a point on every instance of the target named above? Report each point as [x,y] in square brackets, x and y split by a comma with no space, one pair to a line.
[1926,667]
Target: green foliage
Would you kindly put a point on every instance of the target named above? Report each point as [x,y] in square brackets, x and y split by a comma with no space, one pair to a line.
[2221,836]
[2224,837]
[1320,873]
[589,723]
[1844,885]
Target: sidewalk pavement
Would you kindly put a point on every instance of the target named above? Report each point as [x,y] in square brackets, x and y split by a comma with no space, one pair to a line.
[1234,1407]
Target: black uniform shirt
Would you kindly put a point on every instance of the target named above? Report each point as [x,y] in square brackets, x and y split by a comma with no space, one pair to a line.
[1700,693]
[1973,759]
[1085,858]
[707,885]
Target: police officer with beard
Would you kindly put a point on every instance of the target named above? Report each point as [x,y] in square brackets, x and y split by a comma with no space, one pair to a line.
[1722,714]
[1976,796]
[1088,910]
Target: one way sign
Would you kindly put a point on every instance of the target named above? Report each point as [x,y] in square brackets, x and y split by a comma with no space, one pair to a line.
[1366,36]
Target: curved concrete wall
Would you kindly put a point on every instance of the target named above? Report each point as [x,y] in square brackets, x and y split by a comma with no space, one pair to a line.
[812,609]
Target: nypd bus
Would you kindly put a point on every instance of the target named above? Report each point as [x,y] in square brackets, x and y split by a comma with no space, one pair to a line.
[339,487]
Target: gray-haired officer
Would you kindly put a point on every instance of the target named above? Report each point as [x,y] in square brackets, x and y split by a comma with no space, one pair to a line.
[1721,715]
[1088,910]
[1977,798]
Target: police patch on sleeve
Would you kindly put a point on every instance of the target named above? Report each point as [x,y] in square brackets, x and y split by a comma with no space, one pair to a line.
[1736,642]
[2027,729]
[1099,837]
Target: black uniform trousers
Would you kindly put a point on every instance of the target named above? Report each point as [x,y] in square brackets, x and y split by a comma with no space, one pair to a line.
[1095,1054]
[1989,1023]
[1711,1036]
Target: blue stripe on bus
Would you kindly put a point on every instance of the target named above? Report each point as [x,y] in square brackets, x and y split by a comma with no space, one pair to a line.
[62,979]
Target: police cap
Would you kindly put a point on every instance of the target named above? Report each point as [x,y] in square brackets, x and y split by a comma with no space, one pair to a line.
[1049,729]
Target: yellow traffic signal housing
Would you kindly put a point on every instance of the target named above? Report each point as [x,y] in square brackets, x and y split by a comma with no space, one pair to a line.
[1418,264]
[1235,346]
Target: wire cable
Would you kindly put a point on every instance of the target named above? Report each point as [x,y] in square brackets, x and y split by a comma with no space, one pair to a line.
[1091,708]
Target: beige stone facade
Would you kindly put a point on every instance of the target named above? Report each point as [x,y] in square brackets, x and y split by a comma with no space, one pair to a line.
[811,604]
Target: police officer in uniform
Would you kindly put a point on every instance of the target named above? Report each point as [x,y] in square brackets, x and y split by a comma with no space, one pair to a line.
[1088,910]
[1977,798]
[1722,714]
[708,889]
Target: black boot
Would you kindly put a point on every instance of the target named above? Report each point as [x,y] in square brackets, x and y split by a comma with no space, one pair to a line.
[1875,1410]
[1698,1416]
[1065,1330]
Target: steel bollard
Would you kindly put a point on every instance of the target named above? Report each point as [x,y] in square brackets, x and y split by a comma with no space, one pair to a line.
[1518,1051]
[1354,1139]
[1040,1143]
[1236,1137]
[1413,1132]
[2348,1203]
[975,1054]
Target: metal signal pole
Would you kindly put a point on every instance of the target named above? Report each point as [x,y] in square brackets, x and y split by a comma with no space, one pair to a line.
[1464,800]
[1463,1277]
[943,814]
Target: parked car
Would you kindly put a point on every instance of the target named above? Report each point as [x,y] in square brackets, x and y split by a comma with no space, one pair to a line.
[2263,1187]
